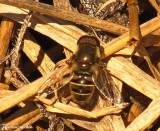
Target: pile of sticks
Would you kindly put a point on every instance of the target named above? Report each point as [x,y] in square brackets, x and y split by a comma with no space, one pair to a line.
[55,23]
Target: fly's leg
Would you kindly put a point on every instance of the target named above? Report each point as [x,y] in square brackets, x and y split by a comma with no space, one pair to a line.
[55,123]
[56,81]
[55,78]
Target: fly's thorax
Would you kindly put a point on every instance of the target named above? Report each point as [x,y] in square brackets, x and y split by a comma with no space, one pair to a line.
[88,52]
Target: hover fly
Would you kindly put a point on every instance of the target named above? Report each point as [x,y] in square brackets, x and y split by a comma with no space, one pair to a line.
[88,72]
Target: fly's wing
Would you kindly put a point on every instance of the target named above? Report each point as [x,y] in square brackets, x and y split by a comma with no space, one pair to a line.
[58,79]
[106,85]
[65,80]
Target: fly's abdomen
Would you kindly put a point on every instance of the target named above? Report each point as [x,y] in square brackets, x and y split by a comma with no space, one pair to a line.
[82,89]
[81,94]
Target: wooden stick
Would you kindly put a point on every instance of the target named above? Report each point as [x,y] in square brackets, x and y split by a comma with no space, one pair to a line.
[5,35]
[67,15]
[134,77]
[22,94]
[147,117]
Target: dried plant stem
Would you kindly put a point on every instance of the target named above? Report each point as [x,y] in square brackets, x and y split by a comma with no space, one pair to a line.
[134,29]
[113,122]
[67,15]
[147,117]
[18,44]
[4,86]
[121,42]
[22,115]
[143,53]
[134,77]
[76,111]
[134,111]
[70,38]
[148,41]
[33,120]
[155,5]
[66,5]
[22,94]
[4,93]
[63,34]
[40,59]
[5,35]
[17,83]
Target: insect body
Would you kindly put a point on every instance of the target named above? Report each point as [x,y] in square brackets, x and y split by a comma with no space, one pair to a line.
[89,73]
[81,85]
